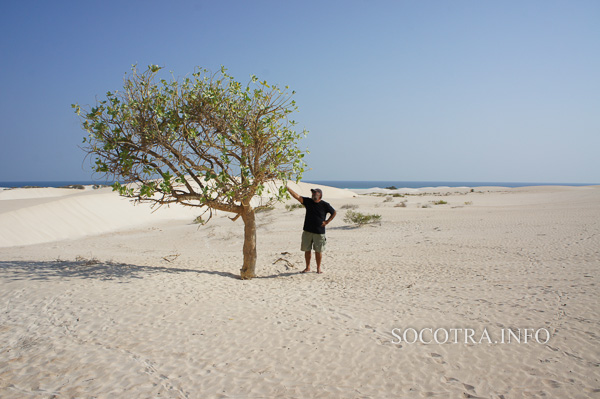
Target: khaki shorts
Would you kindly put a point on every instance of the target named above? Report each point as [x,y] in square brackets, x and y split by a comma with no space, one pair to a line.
[312,241]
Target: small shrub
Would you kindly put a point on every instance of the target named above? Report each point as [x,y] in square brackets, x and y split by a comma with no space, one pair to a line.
[291,207]
[468,202]
[74,186]
[397,195]
[440,202]
[349,206]
[426,206]
[199,220]
[392,188]
[360,219]
[400,205]
[388,199]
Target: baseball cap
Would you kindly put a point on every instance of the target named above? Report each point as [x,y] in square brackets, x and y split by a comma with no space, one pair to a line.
[317,190]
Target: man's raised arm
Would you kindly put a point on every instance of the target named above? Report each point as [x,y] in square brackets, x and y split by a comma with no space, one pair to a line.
[294,194]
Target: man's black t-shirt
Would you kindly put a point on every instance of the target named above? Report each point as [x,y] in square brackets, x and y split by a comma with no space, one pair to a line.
[316,213]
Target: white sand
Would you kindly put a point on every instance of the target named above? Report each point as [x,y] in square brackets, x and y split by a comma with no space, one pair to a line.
[104,299]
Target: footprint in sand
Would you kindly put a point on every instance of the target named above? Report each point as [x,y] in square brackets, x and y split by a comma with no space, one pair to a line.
[437,357]
[370,327]
[468,395]
[469,387]
[552,383]
[448,379]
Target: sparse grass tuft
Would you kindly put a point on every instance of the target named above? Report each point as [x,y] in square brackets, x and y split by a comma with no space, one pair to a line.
[440,202]
[468,202]
[400,205]
[86,261]
[291,207]
[199,220]
[361,219]
[388,199]
[264,209]
[349,206]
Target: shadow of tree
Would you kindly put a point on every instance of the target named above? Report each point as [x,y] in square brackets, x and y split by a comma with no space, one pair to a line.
[92,269]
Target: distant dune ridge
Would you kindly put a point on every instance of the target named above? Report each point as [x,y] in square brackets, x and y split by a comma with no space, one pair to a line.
[101,298]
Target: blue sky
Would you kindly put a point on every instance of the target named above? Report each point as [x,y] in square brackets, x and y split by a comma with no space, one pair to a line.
[389,90]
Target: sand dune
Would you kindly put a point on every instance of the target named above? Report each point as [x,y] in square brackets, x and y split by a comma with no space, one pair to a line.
[57,217]
[37,215]
[153,306]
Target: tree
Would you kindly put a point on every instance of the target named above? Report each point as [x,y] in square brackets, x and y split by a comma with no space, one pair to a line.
[205,141]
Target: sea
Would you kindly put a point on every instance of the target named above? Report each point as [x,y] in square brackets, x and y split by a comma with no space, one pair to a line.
[349,184]
[17,184]
[364,184]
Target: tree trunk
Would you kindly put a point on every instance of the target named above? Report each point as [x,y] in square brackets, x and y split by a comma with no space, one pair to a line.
[249,266]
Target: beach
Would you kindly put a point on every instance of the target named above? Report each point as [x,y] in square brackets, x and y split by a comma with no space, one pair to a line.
[101,298]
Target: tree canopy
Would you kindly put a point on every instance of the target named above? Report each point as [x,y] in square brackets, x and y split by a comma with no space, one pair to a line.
[204,140]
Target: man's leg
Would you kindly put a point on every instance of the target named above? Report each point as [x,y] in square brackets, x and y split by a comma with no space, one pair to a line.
[306,246]
[320,241]
[307,259]
[318,256]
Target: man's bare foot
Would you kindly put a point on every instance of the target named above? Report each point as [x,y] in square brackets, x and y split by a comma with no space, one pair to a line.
[305,270]
[319,271]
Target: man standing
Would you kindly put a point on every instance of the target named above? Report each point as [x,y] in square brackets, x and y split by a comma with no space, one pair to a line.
[313,236]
